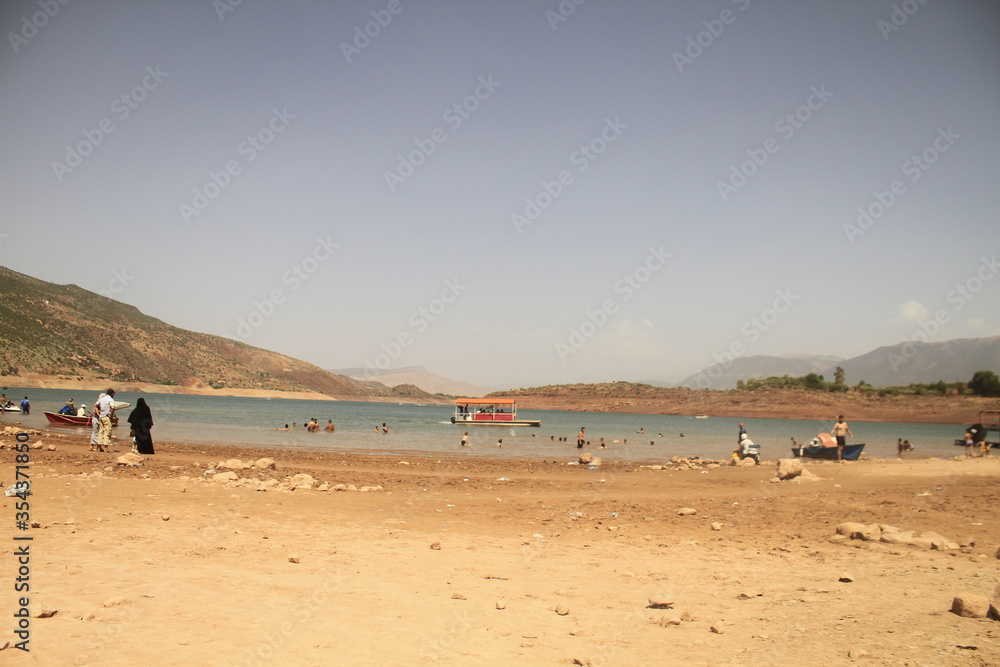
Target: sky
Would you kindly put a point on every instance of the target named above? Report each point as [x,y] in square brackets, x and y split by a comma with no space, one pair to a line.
[513,193]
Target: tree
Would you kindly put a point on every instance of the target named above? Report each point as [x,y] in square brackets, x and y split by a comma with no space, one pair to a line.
[985,383]
[838,375]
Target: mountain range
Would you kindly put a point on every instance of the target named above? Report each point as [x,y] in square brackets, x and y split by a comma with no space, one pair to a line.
[893,365]
[417,376]
[68,333]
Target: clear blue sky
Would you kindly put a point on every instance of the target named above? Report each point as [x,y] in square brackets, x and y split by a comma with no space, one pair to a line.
[697,168]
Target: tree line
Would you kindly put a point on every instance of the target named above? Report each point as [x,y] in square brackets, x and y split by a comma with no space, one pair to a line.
[983,383]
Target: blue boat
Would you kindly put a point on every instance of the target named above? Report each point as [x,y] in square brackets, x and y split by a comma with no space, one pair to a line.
[851,452]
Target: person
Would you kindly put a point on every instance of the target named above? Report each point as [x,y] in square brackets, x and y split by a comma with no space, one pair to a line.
[580,438]
[282,429]
[968,442]
[840,431]
[82,410]
[385,429]
[742,434]
[95,426]
[313,425]
[25,406]
[330,428]
[795,443]
[4,402]
[465,439]
[641,430]
[68,409]
[899,446]
[907,446]
[602,443]
[141,421]
[106,412]
[500,442]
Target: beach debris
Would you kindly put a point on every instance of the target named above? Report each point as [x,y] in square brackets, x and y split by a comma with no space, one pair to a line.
[845,577]
[294,559]
[458,596]
[46,613]
[661,601]
[586,457]
[970,605]
[129,459]
[436,546]
[687,511]
[17,489]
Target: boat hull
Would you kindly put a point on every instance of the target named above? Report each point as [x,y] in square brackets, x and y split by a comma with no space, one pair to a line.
[57,419]
[483,422]
[851,452]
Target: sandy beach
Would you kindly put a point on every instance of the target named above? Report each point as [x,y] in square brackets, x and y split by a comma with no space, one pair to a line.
[459,562]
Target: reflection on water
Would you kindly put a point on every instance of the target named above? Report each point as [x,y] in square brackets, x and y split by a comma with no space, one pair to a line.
[426,429]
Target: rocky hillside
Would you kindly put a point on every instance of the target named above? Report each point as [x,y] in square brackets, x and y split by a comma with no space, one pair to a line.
[64,331]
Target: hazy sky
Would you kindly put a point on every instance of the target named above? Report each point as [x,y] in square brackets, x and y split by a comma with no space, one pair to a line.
[513,193]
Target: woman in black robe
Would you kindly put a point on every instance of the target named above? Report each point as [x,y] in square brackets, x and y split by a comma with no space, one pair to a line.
[141,421]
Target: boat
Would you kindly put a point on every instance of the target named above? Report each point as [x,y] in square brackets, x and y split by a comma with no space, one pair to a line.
[489,412]
[57,419]
[850,453]
[10,408]
[701,416]
[989,427]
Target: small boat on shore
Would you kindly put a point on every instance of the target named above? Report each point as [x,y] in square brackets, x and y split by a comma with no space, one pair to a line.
[701,416]
[57,419]
[489,412]
[851,452]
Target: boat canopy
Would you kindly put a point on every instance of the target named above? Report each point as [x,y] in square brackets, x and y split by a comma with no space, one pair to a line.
[485,401]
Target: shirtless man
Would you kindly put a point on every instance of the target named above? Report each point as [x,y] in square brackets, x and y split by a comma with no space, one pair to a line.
[840,431]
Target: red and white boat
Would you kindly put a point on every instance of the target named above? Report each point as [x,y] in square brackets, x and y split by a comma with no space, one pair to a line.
[489,412]
[57,419]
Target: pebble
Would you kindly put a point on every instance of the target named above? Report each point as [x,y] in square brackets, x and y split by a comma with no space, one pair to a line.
[686,511]
[293,559]
[561,609]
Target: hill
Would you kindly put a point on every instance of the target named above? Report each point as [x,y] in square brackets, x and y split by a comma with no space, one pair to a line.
[416,375]
[67,333]
[725,376]
[788,403]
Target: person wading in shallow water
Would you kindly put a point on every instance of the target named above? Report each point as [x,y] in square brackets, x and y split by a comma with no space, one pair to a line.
[580,438]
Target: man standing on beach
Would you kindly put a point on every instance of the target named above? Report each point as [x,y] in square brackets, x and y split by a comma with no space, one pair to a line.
[840,431]
[106,410]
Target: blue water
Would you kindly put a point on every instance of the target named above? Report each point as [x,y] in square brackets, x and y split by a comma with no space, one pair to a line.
[426,429]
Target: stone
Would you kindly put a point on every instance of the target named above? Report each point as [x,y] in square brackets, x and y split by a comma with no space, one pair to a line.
[716,525]
[457,596]
[294,559]
[789,468]
[225,476]
[586,457]
[686,511]
[718,627]
[129,459]
[351,487]
[856,653]
[596,461]
[845,577]
[323,487]
[938,542]
[339,487]
[661,601]
[860,531]
[669,619]
[997,554]
[886,528]
[46,613]
[561,609]
[165,517]
[266,463]
[687,616]
[50,448]
[897,537]
[745,463]
[501,604]
[303,481]
[436,546]
[970,605]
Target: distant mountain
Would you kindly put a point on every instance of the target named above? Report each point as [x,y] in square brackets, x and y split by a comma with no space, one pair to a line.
[65,331]
[906,363]
[723,376]
[893,365]
[416,375]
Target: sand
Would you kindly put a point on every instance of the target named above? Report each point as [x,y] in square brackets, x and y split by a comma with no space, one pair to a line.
[468,562]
